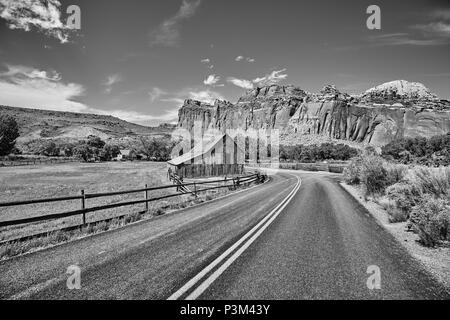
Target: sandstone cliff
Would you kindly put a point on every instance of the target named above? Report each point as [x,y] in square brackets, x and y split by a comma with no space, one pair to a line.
[394,109]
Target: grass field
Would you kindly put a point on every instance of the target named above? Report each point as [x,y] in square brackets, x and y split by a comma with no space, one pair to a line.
[35,182]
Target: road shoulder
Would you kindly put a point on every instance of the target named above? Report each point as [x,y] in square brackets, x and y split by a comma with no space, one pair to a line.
[435,260]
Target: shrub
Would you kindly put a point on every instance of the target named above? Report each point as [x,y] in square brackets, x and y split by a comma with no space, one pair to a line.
[352,172]
[395,214]
[403,196]
[434,181]
[373,175]
[431,220]
[396,172]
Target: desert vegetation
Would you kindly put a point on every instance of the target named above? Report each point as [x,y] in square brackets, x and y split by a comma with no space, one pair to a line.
[434,151]
[416,194]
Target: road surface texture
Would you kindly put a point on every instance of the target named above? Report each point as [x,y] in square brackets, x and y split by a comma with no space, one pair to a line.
[280,240]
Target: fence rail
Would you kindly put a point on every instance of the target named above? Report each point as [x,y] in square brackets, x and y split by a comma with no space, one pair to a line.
[30,162]
[209,170]
[236,181]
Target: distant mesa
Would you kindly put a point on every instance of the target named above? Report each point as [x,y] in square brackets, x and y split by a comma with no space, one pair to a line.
[391,110]
[400,89]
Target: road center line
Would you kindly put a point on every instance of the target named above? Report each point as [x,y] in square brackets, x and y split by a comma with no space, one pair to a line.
[263,224]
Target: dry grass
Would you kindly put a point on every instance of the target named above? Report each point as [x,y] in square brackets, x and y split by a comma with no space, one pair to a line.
[34,182]
[433,181]
[159,208]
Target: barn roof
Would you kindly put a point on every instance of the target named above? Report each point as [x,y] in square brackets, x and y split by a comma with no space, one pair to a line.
[197,151]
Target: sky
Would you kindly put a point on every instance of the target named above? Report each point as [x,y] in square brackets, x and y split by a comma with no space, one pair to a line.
[140,59]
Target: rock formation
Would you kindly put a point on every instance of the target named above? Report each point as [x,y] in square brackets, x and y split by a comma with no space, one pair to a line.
[391,110]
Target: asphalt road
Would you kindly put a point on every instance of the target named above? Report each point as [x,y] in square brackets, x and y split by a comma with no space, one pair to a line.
[279,240]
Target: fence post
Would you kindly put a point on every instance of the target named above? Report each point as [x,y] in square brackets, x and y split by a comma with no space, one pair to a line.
[146,197]
[83,206]
[195,190]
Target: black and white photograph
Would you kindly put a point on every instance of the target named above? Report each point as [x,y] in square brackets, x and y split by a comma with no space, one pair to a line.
[221,157]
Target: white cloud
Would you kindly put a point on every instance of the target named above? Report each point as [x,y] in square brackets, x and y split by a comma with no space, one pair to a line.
[211,80]
[434,32]
[156,93]
[271,78]
[45,16]
[403,39]
[19,71]
[207,62]
[28,87]
[242,83]
[199,94]
[441,14]
[437,28]
[241,58]
[206,96]
[177,101]
[32,88]
[111,81]
[168,33]
[137,117]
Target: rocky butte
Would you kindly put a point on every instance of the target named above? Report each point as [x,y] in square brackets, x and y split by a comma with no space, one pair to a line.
[377,116]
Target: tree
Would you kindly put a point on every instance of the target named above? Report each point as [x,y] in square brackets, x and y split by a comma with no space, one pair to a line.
[83,151]
[9,132]
[95,142]
[109,152]
[67,148]
[156,149]
[49,149]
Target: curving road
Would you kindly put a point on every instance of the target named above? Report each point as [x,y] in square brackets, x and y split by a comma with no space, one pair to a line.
[299,236]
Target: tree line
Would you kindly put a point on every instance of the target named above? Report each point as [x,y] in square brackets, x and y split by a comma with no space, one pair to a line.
[317,153]
[91,149]
[434,151]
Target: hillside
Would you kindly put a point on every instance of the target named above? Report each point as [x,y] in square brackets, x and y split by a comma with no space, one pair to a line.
[45,124]
[377,116]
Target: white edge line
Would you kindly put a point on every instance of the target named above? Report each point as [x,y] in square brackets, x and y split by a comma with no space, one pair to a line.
[200,289]
[218,260]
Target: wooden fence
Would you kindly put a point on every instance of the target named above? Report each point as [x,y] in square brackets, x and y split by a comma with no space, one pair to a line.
[30,162]
[209,170]
[196,187]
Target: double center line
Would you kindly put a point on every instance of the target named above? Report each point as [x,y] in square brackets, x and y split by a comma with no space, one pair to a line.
[196,286]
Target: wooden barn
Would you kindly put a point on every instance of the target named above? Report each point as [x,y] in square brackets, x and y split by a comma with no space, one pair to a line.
[216,155]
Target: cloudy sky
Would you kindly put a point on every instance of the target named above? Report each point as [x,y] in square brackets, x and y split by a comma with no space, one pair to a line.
[139,60]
